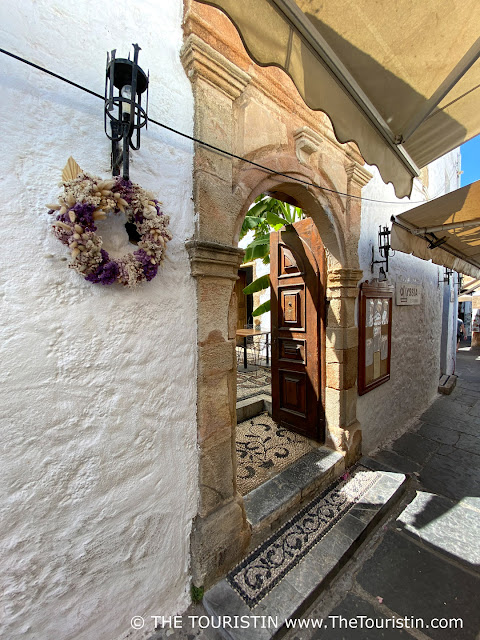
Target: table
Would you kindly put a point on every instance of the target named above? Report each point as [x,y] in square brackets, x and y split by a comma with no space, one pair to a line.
[246,333]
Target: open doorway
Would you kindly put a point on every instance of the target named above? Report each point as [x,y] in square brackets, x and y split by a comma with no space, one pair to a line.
[280,349]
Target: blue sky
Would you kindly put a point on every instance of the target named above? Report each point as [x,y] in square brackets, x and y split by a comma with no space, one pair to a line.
[470,161]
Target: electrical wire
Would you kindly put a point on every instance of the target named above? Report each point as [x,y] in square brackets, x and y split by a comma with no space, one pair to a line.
[206,144]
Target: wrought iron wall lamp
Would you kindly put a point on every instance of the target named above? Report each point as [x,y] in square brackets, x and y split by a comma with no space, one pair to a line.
[124,111]
[448,273]
[384,249]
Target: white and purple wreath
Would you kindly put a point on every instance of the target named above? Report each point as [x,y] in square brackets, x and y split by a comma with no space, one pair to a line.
[87,199]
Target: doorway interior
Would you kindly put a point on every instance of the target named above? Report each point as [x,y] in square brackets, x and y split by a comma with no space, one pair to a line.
[280,391]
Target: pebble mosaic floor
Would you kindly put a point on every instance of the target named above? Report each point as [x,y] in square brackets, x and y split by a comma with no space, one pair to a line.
[269,563]
[253,383]
[264,449]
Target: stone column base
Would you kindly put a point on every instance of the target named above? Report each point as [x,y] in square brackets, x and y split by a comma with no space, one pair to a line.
[218,541]
[347,440]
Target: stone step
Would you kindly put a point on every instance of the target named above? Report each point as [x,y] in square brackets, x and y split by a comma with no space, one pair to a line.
[275,501]
[447,384]
[283,575]
[251,407]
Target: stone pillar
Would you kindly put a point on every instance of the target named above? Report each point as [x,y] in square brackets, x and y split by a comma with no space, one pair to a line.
[357,177]
[216,84]
[343,429]
[220,533]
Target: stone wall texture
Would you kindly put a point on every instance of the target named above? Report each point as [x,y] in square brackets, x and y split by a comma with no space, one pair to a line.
[98,400]
[416,330]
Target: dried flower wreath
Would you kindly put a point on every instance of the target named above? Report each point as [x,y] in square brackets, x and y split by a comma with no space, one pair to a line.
[88,199]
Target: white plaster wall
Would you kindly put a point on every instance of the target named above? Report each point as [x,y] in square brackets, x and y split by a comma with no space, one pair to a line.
[98,396]
[416,330]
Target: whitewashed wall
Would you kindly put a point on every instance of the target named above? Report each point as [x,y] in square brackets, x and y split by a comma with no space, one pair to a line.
[98,388]
[416,330]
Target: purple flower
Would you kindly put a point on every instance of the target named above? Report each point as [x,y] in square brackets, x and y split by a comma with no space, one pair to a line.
[142,257]
[84,216]
[125,189]
[149,269]
[106,272]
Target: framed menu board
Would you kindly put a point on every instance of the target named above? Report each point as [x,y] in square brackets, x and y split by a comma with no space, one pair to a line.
[375,335]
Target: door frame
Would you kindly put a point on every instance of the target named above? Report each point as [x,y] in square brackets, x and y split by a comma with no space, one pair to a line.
[229,93]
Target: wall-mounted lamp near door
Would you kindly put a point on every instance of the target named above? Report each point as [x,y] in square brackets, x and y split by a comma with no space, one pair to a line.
[384,249]
[124,111]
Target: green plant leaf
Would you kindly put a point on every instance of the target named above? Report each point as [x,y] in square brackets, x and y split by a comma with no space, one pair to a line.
[258,248]
[249,223]
[258,208]
[275,220]
[257,252]
[257,285]
[263,308]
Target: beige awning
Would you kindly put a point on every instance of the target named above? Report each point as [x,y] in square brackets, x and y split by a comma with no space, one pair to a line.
[400,78]
[445,230]
[470,287]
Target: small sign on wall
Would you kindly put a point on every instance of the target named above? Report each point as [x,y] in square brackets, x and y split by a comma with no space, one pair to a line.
[408,293]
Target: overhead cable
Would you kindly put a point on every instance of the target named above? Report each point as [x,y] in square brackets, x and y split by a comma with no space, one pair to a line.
[206,144]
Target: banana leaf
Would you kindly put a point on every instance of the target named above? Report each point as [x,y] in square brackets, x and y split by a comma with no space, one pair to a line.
[257,285]
[263,308]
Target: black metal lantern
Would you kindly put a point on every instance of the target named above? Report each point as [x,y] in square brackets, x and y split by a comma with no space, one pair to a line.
[124,111]
[384,249]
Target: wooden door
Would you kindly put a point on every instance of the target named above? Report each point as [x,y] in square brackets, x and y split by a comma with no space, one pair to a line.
[297,277]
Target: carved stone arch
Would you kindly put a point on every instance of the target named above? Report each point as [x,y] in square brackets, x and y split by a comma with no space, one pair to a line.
[299,143]
[326,209]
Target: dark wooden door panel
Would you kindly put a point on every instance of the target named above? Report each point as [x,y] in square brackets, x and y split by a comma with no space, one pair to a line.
[291,307]
[297,277]
[293,396]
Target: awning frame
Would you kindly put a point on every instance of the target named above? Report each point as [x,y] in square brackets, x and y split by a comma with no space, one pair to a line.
[440,247]
[445,227]
[323,50]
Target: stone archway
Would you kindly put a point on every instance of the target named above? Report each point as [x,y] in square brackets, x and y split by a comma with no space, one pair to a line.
[225,98]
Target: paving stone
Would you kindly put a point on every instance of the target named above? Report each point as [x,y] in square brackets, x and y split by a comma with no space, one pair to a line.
[470,443]
[265,500]
[375,465]
[466,398]
[352,527]
[382,491]
[469,425]
[455,474]
[414,446]
[445,525]
[415,582]
[311,467]
[471,501]
[439,434]
[397,462]
[364,512]
[475,410]
[445,449]
[274,498]
[345,622]
[280,603]
[323,561]
[222,600]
